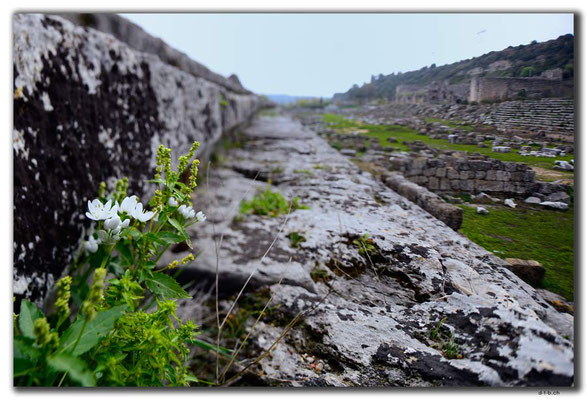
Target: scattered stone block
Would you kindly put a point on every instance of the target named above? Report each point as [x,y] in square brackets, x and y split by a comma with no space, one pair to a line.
[557,301]
[501,149]
[348,152]
[510,203]
[530,271]
[533,200]
[557,205]
[482,211]
[559,196]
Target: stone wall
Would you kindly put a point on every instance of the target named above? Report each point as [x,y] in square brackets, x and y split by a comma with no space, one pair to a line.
[435,92]
[90,108]
[450,174]
[431,202]
[500,89]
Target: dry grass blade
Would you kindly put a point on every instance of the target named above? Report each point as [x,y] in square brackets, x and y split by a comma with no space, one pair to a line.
[235,354]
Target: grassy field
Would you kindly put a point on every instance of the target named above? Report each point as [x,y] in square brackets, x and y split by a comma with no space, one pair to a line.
[537,234]
[403,133]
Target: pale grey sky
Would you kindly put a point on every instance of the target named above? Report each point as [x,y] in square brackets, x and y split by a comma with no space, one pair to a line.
[320,54]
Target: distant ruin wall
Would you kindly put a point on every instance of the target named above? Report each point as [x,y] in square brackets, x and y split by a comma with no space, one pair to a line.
[456,174]
[433,93]
[500,89]
[89,108]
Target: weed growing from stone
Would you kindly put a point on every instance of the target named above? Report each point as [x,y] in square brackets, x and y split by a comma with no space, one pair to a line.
[365,245]
[295,238]
[270,203]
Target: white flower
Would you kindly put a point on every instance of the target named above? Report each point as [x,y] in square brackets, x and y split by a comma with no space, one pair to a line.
[112,223]
[129,204]
[134,208]
[141,215]
[125,223]
[200,216]
[187,211]
[91,244]
[98,211]
[172,202]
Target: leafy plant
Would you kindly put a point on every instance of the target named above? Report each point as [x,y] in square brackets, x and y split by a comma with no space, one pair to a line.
[365,245]
[271,203]
[433,334]
[318,274]
[107,334]
[295,238]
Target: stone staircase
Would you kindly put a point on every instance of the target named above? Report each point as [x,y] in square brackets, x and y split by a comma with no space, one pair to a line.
[551,116]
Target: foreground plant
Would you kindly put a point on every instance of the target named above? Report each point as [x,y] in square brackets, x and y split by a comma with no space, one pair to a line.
[122,330]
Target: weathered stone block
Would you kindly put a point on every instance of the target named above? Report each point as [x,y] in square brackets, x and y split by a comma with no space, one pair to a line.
[503,176]
[451,173]
[529,271]
[89,108]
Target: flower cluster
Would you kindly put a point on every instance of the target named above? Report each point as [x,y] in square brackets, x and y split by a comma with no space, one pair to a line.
[63,295]
[115,218]
[43,334]
[95,295]
[188,213]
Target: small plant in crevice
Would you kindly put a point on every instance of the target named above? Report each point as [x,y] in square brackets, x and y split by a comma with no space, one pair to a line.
[295,238]
[270,203]
[444,341]
[319,274]
[222,101]
[122,330]
[450,349]
[433,334]
[365,244]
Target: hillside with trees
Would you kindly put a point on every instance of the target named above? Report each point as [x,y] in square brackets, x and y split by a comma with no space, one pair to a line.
[520,61]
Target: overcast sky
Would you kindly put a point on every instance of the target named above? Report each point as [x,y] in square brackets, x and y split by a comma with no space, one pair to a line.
[320,54]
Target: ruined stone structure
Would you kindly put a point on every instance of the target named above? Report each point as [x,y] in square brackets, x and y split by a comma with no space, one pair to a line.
[451,174]
[501,89]
[435,92]
[90,108]
[553,117]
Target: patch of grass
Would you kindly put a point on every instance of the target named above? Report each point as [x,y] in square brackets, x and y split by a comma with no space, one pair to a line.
[295,238]
[546,236]
[433,334]
[303,171]
[319,274]
[270,203]
[406,134]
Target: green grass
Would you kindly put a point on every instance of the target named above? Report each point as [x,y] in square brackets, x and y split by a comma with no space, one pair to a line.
[270,203]
[404,133]
[536,234]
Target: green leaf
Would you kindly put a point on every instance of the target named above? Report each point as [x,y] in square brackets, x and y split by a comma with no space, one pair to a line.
[212,347]
[125,252]
[175,223]
[28,314]
[22,367]
[165,286]
[95,330]
[170,237]
[23,348]
[74,367]
[134,233]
